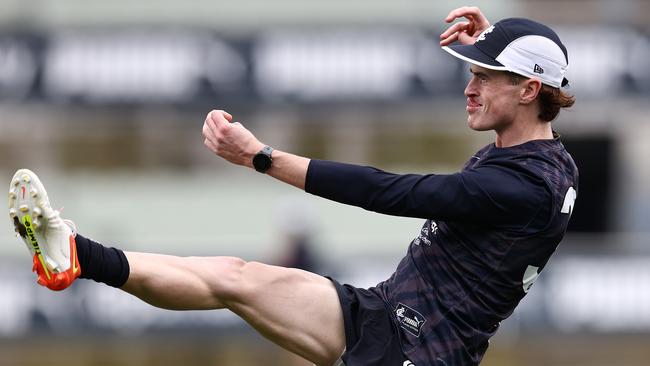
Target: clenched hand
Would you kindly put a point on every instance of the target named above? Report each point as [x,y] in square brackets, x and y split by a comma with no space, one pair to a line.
[229,140]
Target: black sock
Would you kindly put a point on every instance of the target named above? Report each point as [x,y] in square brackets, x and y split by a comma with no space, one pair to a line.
[102,264]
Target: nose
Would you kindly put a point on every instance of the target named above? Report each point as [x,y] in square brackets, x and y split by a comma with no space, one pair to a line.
[470,89]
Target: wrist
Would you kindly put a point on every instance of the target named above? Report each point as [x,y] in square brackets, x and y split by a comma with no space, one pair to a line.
[262,161]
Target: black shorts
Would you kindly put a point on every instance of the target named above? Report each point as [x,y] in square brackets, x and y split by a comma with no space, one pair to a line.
[371,338]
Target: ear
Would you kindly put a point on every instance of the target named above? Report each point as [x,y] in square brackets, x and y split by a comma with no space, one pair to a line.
[529,90]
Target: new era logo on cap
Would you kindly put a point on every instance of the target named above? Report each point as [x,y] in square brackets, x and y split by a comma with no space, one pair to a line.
[519,45]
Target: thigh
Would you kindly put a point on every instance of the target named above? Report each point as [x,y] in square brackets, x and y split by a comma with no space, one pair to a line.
[298,310]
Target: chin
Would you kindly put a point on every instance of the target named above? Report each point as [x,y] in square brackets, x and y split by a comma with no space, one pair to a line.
[475,125]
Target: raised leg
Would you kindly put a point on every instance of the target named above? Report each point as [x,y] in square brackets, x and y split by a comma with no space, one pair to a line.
[295,309]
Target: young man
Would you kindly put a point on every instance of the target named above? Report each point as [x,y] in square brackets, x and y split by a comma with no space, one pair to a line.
[489,229]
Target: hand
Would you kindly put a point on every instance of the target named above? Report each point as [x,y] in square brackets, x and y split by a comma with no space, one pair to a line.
[228,140]
[465,32]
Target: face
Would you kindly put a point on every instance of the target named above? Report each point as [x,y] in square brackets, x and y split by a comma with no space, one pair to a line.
[492,100]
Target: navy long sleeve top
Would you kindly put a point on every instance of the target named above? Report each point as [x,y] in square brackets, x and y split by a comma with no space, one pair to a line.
[489,231]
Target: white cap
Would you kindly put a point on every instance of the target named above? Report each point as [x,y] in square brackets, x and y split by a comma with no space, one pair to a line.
[519,45]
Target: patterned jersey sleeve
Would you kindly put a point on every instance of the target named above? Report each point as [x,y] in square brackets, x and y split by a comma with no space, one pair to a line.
[490,194]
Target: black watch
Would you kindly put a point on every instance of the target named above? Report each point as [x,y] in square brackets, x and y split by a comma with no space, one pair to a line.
[262,161]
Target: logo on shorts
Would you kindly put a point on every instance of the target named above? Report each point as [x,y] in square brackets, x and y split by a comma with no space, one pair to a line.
[408,363]
[409,319]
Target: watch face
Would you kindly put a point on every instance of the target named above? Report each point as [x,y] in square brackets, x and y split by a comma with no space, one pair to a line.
[262,162]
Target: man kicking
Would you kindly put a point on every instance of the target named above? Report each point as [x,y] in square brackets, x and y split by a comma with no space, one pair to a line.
[489,231]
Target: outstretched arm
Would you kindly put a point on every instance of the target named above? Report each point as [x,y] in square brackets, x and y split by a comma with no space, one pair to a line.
[472,196]
[494,193]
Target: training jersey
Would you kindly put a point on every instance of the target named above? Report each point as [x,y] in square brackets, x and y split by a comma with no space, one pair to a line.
[489,231]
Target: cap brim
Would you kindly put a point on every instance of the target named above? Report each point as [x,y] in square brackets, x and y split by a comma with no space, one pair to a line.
[472,54]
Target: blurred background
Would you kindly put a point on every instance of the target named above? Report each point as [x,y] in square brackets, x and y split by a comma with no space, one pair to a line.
[105,101]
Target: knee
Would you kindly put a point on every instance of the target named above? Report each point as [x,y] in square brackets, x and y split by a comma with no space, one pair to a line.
[227,276]
[241,280]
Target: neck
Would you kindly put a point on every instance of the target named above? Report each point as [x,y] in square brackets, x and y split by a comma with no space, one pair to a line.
[519,133]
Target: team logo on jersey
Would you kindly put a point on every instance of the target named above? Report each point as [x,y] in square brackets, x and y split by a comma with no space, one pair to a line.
[430,228]
[410,320]
[434,227]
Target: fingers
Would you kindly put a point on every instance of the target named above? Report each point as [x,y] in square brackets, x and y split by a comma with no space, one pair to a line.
[464,12]
[206,128]
[214,126]
[451,34]
[218,130]
[209,127]
[471,13]
[221,113]
[209,139]
[481,21]
[217,124]
[453,29]
[464,31]
[219,117]
[210,145]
